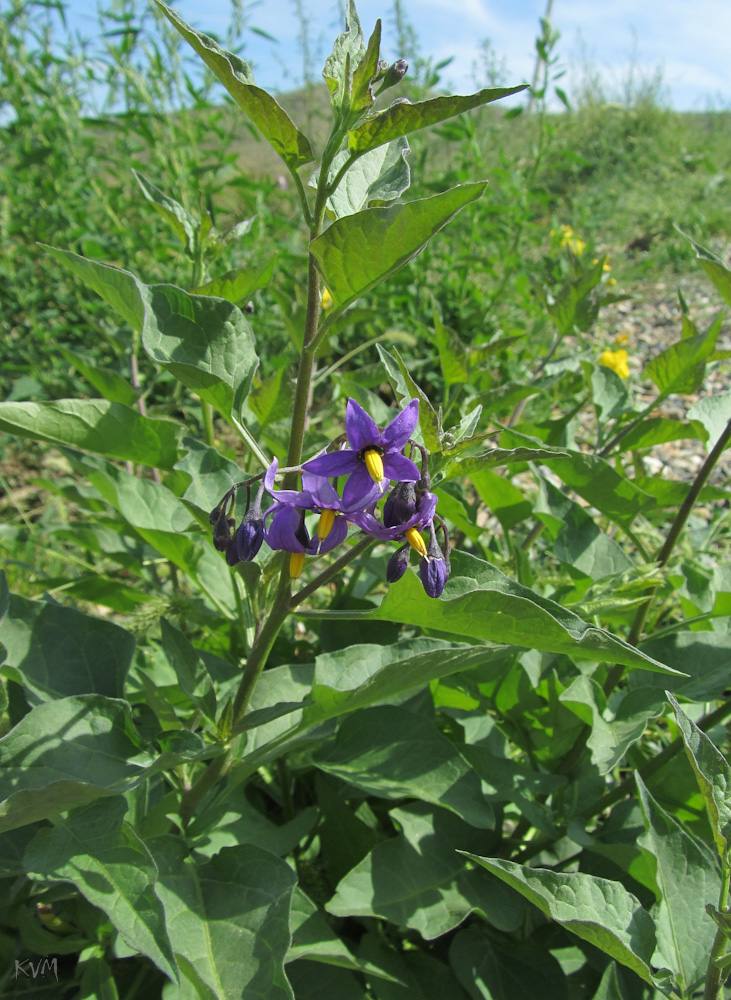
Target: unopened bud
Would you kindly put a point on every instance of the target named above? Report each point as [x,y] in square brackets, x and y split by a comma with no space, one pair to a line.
[249,307]
[394,74]
[397,564]
[400,505]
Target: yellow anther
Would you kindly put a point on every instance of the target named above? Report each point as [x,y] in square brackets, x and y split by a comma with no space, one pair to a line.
[374,464]
[416,542]
[296,564]
[325,524]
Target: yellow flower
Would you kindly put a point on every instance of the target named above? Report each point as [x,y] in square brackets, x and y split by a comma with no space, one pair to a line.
[621,339]
[564,237]
[577,246]
[617,361]
[327,300]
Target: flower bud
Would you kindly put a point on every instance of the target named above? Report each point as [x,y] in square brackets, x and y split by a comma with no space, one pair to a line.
[249,307]
[400,505]
[434,567]
[222,529]
[397,564]
[394,74]
[249,537]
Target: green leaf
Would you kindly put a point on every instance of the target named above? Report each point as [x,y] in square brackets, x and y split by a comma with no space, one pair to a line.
[211,474]
[658,430]
[229,825]
[313,981]
[681,367]
[272,121]
[362,675]
[107,383]
[595,909]
[493,970]
[204,342]
[713,266]
[113,869]
[359,251]
[95,425]
[361,96]
[406,389]
[714,412]
[68,752]
[704,656]
[271,399]
[180,220]
[349,52]
[480,602]
[390,752]
[713,775]
[495,458]
[97,981]
[240,284]
[53,651]
[500,496]
[191,672]
[596,481]
[228,919]
[611,987]
[611,738]
[402,119]
[381,175]
[687,878]
[418,880]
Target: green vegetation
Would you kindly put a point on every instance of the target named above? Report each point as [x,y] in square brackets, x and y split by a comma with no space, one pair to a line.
[263,771]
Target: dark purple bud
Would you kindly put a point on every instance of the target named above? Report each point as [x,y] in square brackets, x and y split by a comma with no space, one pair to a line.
[434,569]
[400,505]
[249,307]
[394,74]
[249,537]
[397,564]
[222,530]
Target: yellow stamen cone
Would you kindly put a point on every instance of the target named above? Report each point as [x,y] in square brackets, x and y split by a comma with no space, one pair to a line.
[416,542]
[296,564]
[374,464]
[325,524]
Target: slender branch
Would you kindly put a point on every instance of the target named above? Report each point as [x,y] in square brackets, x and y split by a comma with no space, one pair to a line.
[714,987]
[301,194]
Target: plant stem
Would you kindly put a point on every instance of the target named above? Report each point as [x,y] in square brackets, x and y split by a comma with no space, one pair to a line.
[666,551]
[714,988]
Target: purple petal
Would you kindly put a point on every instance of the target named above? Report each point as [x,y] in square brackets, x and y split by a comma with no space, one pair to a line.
[281,534]
[358,489]
[322,491]
[360,427]
[374,528]
[338,534]
[398,432]
[337,463]
[296,497]
[399,468]
[363,502]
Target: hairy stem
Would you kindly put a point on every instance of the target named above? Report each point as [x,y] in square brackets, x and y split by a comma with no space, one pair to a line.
[714,987]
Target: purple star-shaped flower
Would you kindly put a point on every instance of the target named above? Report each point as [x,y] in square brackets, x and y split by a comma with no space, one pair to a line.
[421,518]
[370,451]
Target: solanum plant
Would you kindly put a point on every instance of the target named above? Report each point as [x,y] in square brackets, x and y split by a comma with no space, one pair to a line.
[293,765]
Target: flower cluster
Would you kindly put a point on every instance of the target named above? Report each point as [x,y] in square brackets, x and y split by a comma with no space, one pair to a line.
[372,460]
[617,361]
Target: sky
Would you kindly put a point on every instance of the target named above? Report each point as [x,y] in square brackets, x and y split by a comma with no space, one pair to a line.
[683,46]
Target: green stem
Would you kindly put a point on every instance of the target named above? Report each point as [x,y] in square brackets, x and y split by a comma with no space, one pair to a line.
[714,987]
[630,426]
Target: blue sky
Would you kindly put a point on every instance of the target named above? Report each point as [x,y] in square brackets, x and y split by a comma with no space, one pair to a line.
[687,42]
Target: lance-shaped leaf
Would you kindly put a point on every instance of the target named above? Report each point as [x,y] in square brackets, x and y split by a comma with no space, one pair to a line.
[681,367]
[687,877]
[95,425]
[347,54]
[381,175]
[713,775]
[205,342]
[190,670]
[390,752]
[272,120]
[107,383]
[68,752]
[109,865]
[55,651]
[359,251]
[239,285]
[228,920]
[401,119]
[179,218]
[481,602]
[713,266]
[595,909]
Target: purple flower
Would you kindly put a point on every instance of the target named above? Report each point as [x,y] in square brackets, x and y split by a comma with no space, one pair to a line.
[373,456]
[422,517]
[287,530]
[317,494]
